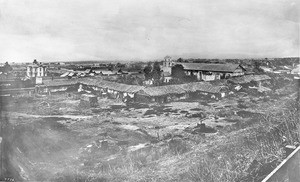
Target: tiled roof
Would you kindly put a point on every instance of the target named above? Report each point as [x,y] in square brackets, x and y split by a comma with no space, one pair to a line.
[60,82]
[111,85]
[162,90]
[200,86]
[150,91]
[210,67]
[180,89]
[249,78]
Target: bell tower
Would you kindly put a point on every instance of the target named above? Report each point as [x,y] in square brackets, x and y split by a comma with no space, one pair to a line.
[167,64]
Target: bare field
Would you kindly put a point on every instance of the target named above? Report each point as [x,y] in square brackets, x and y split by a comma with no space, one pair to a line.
[58,138]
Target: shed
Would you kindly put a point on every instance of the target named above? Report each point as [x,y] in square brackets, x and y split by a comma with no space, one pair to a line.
[60,85]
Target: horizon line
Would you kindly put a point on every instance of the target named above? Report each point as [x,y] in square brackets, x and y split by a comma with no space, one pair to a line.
[147,60]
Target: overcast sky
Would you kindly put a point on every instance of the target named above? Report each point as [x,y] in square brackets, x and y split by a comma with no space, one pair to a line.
[62,30]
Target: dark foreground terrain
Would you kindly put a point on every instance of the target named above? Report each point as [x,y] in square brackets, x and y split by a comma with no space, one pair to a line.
[58,138]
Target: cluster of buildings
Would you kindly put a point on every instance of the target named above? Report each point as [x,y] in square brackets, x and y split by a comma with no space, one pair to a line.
[202,71]
[88,82]
[91,72]
[294,70]
[134,93]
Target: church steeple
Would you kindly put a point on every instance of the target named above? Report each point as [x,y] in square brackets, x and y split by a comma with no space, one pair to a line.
[168,61]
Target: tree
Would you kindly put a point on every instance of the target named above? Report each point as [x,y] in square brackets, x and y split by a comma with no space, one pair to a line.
[177,71]
[175,81]
[7,68]
[110,66]
[137,67]
[147,71]
[179,60]
[190,78]
[257,68]
[156,71]
[119,65]
[35,61]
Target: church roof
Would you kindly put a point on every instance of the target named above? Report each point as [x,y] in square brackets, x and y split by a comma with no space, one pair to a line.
[210,67]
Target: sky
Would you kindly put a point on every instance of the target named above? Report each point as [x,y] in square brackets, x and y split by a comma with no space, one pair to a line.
[70,30]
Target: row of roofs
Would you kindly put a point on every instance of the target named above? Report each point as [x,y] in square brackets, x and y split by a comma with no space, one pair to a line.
[154,91]
[89,72]
[150,91]
[59,82]
[120,87]
[249,78]
[180,89]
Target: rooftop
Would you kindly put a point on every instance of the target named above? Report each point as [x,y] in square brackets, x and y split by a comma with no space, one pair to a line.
[60,82]
[180,89]
[111,85]
[200,86]
[210,67]
[162,90]
[249,78]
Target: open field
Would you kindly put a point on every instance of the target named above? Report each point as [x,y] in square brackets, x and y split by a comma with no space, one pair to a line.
[60,138]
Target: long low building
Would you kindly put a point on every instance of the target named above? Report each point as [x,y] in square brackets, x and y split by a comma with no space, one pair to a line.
[17,91]
[208,72]
[59,85]
[134,92]
[111,89]
[177,92]
[160,94]
[111,85]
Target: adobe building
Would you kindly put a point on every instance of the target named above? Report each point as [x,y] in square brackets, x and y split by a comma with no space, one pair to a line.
[209,72]
[36,70]
[203,71]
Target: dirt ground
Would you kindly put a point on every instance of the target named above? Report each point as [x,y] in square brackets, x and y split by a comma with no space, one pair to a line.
[54,135]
